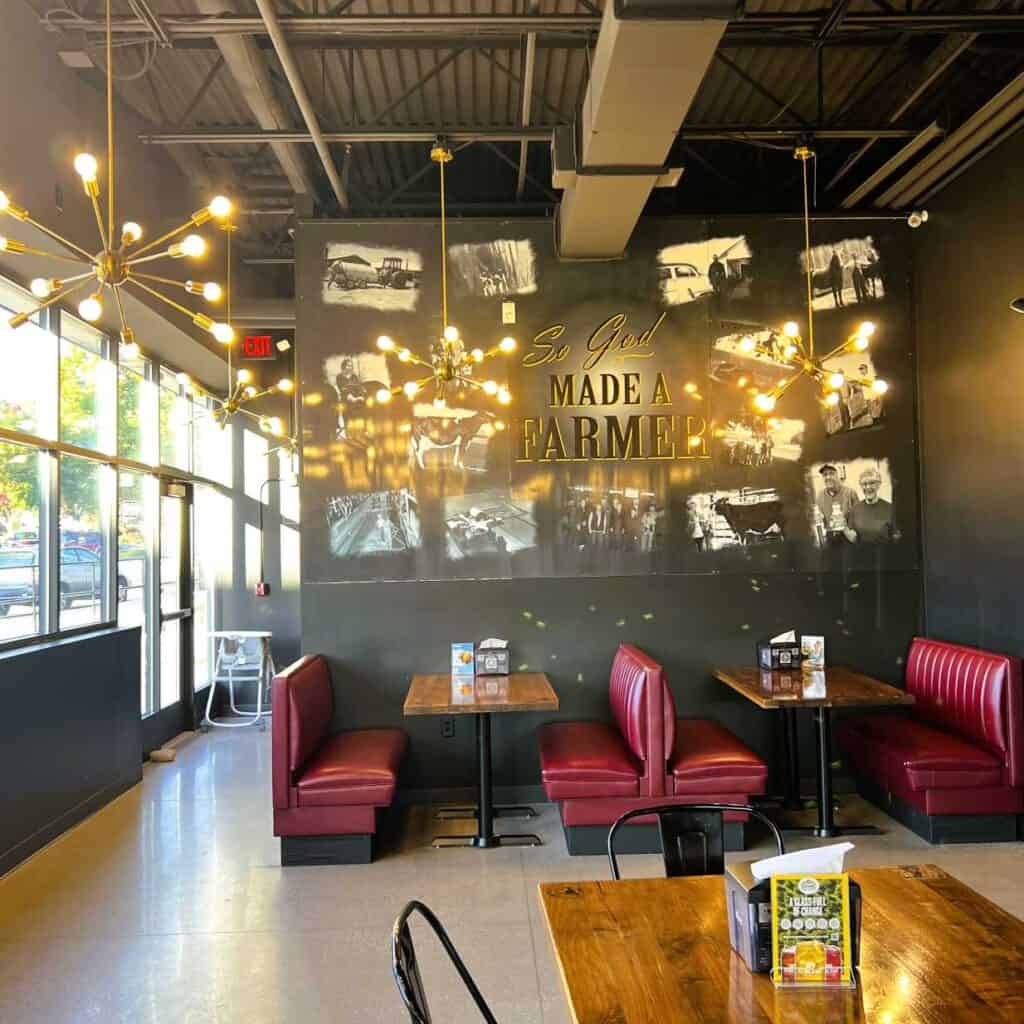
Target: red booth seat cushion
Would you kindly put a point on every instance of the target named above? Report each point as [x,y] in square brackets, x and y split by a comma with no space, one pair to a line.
[919,756]
[706,757]
[359,767]
[586,759]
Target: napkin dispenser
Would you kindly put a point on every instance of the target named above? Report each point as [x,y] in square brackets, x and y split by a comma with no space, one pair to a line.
[748,904]
[492,658]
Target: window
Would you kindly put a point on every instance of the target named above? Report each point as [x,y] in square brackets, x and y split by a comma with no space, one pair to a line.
[135,421]
[211,569]
[19,541]
[212,440]
[84,503]
[254,464]
[27,395]
[86,387]
[133,531]
[175,428]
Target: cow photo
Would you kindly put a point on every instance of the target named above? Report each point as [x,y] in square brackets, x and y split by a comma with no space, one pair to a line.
[371,277]
[451,437]
[736,518]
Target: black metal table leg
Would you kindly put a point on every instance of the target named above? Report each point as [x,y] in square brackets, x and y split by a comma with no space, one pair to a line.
[791,800]
[485,837]
[826,818]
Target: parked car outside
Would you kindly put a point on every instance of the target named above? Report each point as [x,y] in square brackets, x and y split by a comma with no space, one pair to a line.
[17,579]
[81,577]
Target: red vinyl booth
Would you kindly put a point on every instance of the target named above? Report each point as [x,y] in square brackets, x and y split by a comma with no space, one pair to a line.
[596,771]
[328,789]
[952,767]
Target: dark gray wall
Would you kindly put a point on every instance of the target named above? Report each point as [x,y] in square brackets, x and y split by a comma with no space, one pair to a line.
[971,355]
[70,738]
[381,620]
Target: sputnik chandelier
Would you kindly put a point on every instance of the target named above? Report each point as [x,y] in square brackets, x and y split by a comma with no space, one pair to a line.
[117,263]
[798,353]
[451,366]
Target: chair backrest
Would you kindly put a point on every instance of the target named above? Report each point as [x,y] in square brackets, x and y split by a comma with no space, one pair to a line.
[406,970]
[303,704]
[644,711]
[974,693]
[692,836]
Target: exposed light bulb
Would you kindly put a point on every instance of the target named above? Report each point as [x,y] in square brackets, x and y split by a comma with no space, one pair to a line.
[836,380]
[880,386]
[193,245]
[243,376]
[866,328]
[212,291]
[477,355]
[250,392]
[385,343]
[439,402]
[41,287]
[86,166]
[220,207]
[411,389]
[832,398]
[131,232]
[507,344]
[404,355]
[490,387]
[860,342]
[451,333]
[790,328]
[764,401]
[90,309]
[276,426]
[129,352]
[747,344]
[504,396]
[285,385]
[789,351]
[383,396]
[499,424]
[224,333]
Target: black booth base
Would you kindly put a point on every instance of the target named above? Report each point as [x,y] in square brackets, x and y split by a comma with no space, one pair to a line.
[592,840]
[942,829]
[297,851]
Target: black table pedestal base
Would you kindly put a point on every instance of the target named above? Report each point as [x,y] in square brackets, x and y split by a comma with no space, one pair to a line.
[484,812]
[469,812]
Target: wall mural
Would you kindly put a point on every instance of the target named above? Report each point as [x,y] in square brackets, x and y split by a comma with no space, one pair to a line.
[630,445]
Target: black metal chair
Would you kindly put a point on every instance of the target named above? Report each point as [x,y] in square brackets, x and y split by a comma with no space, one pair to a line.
[407,972]
[692,836]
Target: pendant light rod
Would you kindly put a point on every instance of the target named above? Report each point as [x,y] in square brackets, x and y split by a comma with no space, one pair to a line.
[803,154]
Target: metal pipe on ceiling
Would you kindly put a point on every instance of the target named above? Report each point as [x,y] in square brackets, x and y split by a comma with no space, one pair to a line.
[896,161]
[305,105]
[989,120]
[469,133]
[529,58]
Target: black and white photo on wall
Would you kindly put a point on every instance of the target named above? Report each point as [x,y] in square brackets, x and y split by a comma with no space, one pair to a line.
[740,517]
[716,267]
[752,440]
[498,521]
[851,502]
[856,405]
[371,277]
[355,378]
[504,267]
[844,273]
[453,437]
[375,523]
[750,357]
[613,518]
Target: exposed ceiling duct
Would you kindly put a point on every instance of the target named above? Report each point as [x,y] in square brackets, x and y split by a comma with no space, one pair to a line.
[246,62]
[649,61]
[998,118]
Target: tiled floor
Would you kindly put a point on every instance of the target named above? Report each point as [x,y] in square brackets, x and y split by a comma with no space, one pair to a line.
[170,906]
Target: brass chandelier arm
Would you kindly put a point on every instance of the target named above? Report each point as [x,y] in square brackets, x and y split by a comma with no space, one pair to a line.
[133,255]
[156,278]
[93,198]
[126,331]
[21,318]
[184,310]
[16,248]
[85,256]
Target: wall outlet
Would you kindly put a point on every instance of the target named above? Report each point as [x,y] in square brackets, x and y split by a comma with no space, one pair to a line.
[508,312]
[447,728]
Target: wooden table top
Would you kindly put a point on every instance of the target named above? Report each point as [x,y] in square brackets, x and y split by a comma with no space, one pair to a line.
[843,688]
[654,951]
[520,691]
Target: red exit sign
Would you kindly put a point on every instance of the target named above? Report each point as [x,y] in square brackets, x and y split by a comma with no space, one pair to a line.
[257,346]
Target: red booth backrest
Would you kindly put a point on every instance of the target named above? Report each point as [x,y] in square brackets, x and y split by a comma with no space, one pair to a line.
[303,703]
[644,711]
[971,692]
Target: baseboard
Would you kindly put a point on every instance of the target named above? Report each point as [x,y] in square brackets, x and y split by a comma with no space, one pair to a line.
[942,829]
[299,851]
[24,848]
[469,794]
[592,840]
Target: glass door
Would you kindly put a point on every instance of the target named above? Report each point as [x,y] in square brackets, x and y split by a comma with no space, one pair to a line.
[176,598]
